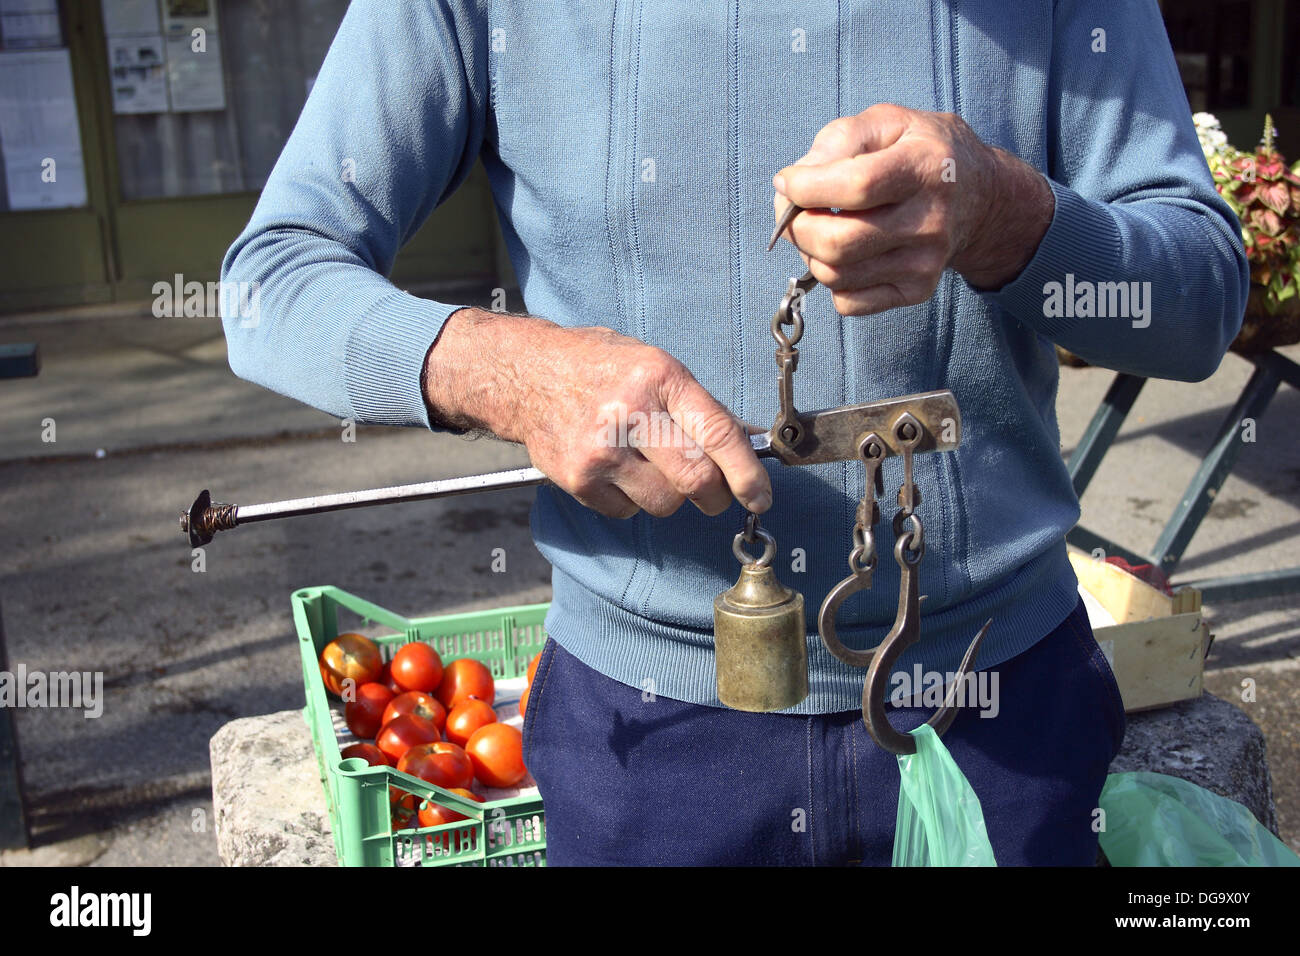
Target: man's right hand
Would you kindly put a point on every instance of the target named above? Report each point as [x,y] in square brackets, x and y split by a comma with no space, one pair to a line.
[620,425]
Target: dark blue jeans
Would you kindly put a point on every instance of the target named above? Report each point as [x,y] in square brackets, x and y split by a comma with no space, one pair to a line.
[632,780]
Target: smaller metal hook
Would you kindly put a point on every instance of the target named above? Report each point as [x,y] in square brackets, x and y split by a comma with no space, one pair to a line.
[826,619]
[862,559]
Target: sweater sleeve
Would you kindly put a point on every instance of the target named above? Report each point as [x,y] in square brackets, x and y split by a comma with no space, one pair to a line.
[392,126]
[1142,269]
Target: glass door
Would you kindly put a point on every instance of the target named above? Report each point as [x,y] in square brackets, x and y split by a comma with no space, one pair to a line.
[164,124]
[54,218]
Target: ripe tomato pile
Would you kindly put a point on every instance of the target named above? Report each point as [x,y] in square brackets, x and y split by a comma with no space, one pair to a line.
[432,720]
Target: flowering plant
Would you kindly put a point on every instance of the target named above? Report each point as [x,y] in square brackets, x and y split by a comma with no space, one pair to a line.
[1265,194]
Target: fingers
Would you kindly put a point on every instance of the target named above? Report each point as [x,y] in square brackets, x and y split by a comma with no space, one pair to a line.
[898,222]
[657,478]
[682,470]
[886,256]
[589,473]
[722,438]
[623,426]
[911,266]
[647,486]
[873,129]
[844,238]
[690,474]
[657,469]
[606,498]
[862,181]
[875,299]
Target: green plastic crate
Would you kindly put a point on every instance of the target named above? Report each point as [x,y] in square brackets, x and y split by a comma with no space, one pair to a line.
[502,833]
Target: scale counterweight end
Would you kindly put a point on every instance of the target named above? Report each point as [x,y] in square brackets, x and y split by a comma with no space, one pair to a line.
[205,518]
[197,522]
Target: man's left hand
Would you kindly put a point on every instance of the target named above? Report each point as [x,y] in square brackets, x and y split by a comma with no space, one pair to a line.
[917,193]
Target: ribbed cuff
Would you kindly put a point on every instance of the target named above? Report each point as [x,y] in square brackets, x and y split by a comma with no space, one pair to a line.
[1083,240]
[385,360]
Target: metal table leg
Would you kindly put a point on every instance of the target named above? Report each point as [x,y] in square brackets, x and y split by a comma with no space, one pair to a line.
[1103,428]
[1086,458]
[13,809]
[1243,587]
[16,361]
[1271,369]
[1214,470]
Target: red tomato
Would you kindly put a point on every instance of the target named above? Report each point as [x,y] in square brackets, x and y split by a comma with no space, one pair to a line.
[352,656]
[386,678]
[466,717]
[417,666]
[420,704]
[441,763]
[402,733]
[532,666]
[432,815]
[465,678]
[402,809]
[497,753]
[367,752]
[523,700]
[365,715]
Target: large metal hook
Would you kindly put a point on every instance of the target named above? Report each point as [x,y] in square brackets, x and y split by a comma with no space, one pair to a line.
[905,632]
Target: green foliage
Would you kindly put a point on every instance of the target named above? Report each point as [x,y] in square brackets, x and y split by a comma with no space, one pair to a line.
[1265,194]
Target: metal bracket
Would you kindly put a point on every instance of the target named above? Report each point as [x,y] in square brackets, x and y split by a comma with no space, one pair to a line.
[833,434]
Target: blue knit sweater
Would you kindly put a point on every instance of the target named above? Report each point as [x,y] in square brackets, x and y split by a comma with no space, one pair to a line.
[630,146]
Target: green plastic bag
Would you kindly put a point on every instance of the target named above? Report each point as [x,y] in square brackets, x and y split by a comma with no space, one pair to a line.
[1156,820]
[940,821]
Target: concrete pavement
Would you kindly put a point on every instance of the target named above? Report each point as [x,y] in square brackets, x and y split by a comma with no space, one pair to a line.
[95,576]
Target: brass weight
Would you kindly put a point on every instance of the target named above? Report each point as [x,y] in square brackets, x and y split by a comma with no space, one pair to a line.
[758,635]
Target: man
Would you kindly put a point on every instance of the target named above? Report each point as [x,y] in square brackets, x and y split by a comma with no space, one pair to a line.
[969,162]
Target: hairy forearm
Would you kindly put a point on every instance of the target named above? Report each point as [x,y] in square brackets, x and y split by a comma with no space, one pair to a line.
[474,373]
[1020,208]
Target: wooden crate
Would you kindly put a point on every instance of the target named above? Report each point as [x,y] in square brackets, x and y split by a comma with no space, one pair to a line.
[1158,644]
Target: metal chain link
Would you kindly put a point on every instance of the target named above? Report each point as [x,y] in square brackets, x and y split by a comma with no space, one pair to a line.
[790,312]
[907,431]
[863,558]
[750,533]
